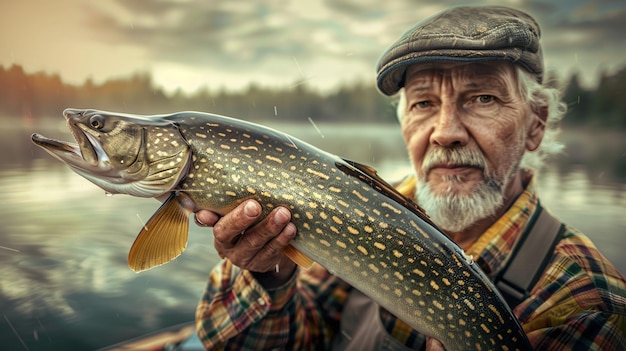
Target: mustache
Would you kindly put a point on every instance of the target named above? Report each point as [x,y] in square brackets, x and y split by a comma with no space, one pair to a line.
[453,157]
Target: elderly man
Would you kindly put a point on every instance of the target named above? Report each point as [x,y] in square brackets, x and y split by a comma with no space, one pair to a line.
[474,115]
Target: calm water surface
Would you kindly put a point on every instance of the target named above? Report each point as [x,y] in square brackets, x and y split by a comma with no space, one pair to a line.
[65,284]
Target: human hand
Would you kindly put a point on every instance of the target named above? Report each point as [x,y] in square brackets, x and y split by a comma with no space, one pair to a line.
[255,247]
[433,344]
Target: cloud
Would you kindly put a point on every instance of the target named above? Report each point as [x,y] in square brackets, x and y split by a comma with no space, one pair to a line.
[170,29]
[582,36]
[225,32]
[330,40]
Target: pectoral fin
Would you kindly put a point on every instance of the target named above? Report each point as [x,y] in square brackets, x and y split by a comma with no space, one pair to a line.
[298,257]
[163,238]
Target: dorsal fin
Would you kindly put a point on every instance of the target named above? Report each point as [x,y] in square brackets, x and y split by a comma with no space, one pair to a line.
[370,176]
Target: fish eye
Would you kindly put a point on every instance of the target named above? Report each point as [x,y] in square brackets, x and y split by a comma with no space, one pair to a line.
[96,122]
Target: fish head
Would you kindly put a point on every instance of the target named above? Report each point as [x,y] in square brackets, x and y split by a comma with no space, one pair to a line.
[121,153]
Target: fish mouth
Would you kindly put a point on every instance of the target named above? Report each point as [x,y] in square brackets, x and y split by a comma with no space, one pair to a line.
[67,152]
[56,146]
[84,155]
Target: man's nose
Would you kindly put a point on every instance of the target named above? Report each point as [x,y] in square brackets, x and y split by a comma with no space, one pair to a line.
[449,129]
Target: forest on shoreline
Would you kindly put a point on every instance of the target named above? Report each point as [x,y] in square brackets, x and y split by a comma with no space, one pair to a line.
[34,96]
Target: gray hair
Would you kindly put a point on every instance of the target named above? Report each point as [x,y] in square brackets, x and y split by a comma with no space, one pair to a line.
[540,97]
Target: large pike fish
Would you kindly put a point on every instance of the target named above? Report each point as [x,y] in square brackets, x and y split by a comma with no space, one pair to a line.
[349,220]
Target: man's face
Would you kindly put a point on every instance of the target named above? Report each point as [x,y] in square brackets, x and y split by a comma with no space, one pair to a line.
[465,126]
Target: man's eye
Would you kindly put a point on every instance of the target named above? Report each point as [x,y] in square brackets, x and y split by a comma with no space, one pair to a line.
[422,104]
[484,99]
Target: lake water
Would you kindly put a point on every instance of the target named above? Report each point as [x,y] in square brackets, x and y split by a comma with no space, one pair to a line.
[65,284]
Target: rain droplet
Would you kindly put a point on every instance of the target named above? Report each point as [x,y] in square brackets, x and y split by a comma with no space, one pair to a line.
[143,223]
[108,194]
[297,64]
[316,128]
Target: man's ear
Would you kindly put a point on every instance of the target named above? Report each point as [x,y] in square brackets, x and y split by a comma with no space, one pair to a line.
[536,128]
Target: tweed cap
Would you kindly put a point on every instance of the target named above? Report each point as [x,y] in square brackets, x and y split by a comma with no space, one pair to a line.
[463,34]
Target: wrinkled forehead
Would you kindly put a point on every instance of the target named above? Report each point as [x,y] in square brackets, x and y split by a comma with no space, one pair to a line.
[490,72]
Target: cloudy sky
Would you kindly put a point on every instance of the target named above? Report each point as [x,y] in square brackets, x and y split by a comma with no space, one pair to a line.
[229,43]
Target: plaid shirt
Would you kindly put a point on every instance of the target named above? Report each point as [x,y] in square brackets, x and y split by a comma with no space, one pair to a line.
[578,304]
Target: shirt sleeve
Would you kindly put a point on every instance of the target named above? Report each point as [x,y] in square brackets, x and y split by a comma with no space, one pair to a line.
[237,313]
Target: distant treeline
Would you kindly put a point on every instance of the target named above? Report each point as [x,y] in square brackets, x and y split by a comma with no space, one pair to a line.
[604,106]
[39,95]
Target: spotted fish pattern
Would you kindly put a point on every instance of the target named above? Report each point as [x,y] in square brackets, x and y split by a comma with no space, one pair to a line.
[349,220]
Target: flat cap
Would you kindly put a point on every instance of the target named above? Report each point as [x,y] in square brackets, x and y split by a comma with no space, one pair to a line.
[463,34]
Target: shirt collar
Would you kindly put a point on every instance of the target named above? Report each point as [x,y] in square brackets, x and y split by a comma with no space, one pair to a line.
[492,250]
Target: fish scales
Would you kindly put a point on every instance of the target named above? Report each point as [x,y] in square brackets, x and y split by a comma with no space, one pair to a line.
[366,240]
[349,220]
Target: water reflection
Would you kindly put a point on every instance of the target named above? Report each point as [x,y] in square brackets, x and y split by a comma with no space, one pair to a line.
[64,272]
[595,207]
[63,244]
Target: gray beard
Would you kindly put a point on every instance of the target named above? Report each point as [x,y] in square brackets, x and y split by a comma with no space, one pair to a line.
[455,213]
